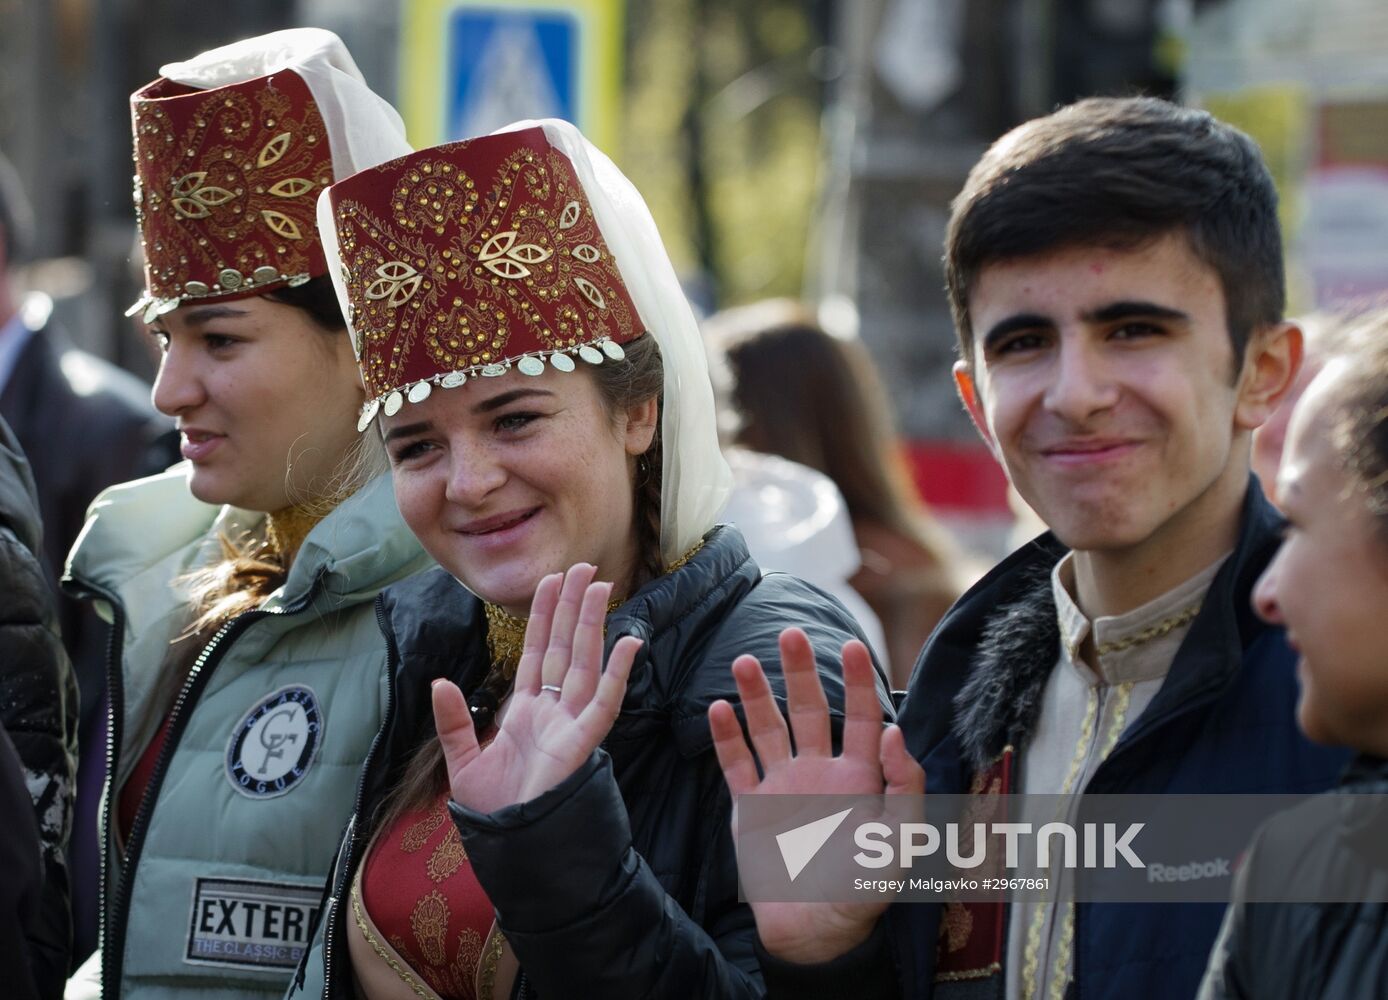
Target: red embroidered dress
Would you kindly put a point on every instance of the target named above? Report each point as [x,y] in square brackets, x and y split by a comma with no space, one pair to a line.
[421,894]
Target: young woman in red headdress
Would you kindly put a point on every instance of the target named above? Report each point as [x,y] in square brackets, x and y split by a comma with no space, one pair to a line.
[531,824]
[246,673]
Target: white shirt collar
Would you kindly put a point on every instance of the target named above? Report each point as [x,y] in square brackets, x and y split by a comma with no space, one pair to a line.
[1141,661]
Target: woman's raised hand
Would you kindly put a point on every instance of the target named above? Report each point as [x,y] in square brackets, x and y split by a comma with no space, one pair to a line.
[873,760]
[561,707]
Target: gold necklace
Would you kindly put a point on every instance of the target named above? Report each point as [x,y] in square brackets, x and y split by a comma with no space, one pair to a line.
[1156,631]
[506,637]
[505,640]
[285,530]
[506,632]
[678,563]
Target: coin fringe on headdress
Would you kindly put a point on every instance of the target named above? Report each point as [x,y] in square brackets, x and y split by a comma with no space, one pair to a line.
[532,364]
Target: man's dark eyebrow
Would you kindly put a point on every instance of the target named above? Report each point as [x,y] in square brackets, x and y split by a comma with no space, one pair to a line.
[1022,321]
[498,401]
[408,430]
[204,314]
[1129,309]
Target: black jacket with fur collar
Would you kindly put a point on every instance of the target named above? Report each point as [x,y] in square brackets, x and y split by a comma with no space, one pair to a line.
[1223,722]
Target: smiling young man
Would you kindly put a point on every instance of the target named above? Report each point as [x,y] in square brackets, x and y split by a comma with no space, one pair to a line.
[1115,272]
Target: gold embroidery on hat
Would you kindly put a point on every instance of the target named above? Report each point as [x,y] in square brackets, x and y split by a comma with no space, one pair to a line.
[491,272]
[193,199]
[273,151]
[282,224]
[222,197]
[502,256]
[590,292]
[292,187]
[398,281]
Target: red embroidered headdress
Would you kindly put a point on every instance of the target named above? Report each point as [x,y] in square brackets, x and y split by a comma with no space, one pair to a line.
[469,259]
[225,185]
[232,149]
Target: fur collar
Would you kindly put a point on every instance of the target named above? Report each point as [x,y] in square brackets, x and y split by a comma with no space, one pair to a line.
[999,702]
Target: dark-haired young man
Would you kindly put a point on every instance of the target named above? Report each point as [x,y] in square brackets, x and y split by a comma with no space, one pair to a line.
[1115,272]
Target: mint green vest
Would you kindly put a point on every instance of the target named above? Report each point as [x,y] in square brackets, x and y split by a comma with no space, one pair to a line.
[231,866]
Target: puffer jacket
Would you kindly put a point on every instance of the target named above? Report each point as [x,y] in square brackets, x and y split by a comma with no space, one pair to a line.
[640,835]
[219,883]
[1333,846]
[38,711]
[21,877]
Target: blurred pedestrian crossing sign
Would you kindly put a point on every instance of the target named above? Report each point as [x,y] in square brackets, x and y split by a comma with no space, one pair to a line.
[470,66]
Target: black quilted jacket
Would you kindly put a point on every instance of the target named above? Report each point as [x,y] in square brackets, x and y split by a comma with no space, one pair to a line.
[621,882]
[38,711]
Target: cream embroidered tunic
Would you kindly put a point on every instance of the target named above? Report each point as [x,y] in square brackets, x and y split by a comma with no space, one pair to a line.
[1082,716]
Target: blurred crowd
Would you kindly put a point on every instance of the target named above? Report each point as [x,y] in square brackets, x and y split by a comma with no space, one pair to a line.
[311,634]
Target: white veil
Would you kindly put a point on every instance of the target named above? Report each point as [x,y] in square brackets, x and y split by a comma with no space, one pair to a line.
[696,479]
[363,129]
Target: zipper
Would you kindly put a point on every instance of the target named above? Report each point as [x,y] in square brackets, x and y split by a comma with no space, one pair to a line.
[324,901]
[113,944]
[115,716]
[354,829]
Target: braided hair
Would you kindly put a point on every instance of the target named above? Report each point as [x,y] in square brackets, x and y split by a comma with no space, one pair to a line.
[639,377]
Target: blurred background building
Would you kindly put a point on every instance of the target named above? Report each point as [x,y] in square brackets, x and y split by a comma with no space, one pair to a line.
[805,148]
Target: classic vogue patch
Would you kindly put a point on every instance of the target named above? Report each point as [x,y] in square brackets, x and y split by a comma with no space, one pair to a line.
[249,923]
[273,746]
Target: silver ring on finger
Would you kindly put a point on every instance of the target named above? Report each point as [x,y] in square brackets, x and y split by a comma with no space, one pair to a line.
[552,687]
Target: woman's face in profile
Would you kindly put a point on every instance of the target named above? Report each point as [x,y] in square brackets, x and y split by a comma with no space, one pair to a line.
[265,399]
[1328,583]
[507,479]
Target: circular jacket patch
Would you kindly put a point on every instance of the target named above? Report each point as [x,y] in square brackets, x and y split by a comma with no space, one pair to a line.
[273,746]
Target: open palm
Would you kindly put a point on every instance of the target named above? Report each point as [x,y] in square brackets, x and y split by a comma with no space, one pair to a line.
[561,707]
[873,760]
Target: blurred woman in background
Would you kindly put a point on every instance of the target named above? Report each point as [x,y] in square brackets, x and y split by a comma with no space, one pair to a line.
[816,399]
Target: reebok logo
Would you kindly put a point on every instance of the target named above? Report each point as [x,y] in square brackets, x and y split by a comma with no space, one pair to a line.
[800,845]
[1217,868]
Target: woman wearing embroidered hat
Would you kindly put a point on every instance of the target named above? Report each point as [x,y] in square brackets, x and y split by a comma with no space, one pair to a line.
[544,397]
[247,673]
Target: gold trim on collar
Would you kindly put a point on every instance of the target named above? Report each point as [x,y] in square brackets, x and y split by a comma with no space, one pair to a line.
[506,632]
[1161,628]
[285,531]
